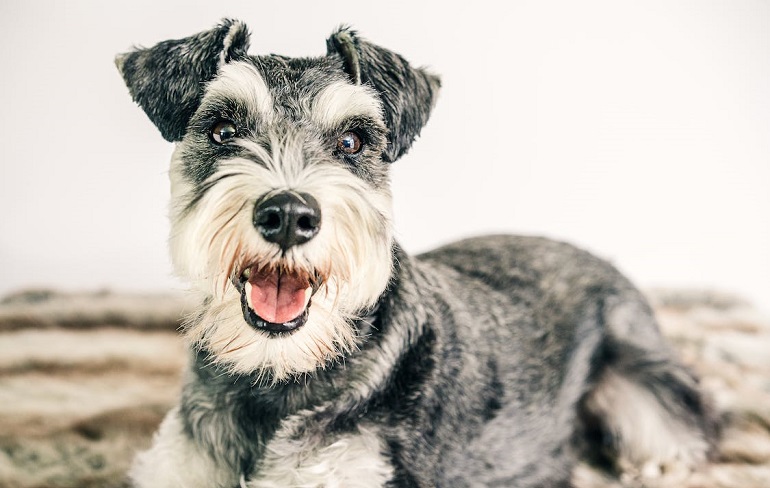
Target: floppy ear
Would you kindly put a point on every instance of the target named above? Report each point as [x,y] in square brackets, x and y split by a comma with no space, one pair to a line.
[408,94]
[167,80]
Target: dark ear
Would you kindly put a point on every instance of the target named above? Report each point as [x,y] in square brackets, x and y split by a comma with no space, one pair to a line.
[167,80]
[408,94]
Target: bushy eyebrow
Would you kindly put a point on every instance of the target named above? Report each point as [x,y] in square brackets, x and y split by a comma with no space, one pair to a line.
[240,81]
[341,101]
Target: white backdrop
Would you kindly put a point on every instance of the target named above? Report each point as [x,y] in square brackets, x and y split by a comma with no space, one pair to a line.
[640,131]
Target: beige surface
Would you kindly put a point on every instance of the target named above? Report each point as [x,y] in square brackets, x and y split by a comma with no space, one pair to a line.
[85,379]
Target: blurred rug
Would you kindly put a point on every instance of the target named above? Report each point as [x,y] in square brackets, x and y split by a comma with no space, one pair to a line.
[86,378]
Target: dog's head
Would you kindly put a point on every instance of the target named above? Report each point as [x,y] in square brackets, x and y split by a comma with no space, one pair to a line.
[280,210]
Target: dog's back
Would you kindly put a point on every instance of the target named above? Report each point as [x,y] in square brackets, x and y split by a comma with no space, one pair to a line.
[562,360]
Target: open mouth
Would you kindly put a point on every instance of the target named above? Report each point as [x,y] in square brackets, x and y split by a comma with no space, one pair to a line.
[276,300]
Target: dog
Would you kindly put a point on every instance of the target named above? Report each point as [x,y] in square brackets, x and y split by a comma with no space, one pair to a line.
[322,354]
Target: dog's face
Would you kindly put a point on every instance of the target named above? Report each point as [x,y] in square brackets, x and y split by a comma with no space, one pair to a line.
[280,210]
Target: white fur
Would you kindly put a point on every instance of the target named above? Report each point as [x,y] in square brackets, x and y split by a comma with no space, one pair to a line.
[227,42]
[241,81]
[174,461]
[649,436]
[353,460]
[216,238]
[340,101]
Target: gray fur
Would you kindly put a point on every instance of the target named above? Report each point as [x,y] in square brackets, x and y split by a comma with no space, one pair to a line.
[408,94]
[488,362]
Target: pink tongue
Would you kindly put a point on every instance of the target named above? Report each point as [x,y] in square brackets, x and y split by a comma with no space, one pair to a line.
[277,297]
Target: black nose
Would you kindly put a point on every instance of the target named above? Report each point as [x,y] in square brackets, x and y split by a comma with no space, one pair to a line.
[288,219]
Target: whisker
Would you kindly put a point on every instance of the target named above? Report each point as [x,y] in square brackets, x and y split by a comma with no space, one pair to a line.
[204,188]
[238,348]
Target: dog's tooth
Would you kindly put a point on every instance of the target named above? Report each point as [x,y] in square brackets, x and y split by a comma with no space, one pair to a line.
[246,273]
[247,290]
[308,295]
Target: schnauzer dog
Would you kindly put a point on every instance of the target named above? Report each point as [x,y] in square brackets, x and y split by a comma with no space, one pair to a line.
[323,355]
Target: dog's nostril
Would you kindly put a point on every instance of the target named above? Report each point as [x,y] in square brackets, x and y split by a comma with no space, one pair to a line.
[305,223]
[270,220]
[288,219]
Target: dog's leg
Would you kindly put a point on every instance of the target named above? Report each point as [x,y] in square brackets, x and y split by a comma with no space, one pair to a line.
[526,444]
[649,406]
[174,461]
[352,460]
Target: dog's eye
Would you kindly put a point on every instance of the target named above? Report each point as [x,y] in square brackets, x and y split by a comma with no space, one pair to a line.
[223,131]
[349,143]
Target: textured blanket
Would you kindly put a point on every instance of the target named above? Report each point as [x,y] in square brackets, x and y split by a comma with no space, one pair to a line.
[86,378]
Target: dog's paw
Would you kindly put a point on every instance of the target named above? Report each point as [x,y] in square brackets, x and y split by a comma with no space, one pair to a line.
[669,473]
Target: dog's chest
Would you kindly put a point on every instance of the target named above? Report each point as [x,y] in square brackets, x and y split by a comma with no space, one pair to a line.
[354,460]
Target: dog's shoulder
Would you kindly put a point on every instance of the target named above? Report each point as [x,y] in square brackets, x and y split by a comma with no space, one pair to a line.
[517,258]
[537,272]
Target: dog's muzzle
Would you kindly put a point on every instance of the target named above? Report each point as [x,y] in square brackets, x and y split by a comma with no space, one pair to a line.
[276,299]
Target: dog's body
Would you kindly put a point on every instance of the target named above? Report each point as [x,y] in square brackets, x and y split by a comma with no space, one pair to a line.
[323,355]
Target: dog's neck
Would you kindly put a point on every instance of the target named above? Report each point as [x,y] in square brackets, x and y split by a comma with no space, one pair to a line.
[254,406]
